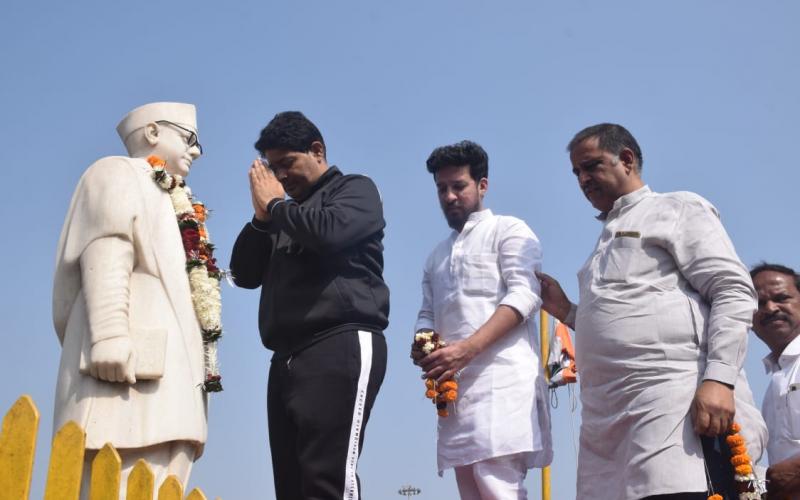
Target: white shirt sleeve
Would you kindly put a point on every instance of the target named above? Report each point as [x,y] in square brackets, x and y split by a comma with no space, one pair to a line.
[705,256]
[520,254]
[425,317]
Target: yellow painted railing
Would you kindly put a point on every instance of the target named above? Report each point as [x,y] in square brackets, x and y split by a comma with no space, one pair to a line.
[17,445]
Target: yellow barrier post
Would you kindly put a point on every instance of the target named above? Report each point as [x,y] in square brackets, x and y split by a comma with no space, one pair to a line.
[17,446]
[66,468]
[141,482]
[66,464]
[106,468]
[196,494]
[171,489]
[544,339]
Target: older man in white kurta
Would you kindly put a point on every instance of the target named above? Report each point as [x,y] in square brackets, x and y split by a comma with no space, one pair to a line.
[664,304]
[480,291]
[661,329]
[120,276]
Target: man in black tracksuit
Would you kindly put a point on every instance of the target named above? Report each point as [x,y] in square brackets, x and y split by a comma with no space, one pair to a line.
[324,305]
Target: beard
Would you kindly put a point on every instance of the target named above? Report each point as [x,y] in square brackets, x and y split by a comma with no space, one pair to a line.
[457,215]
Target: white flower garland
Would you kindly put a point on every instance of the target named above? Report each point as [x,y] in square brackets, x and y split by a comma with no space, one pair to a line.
[204,276]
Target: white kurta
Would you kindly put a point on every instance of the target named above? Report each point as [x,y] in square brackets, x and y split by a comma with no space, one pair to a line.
[142,284]
[664,304]
[781,405]
[502,406]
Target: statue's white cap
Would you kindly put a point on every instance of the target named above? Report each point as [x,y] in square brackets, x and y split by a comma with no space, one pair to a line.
[184,115]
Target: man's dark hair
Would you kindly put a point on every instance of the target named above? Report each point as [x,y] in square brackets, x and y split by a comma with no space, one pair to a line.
[460,154]
[777,268]
[289,130]
[612,138]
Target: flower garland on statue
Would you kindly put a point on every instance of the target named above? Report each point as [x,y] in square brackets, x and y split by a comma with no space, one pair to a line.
[440,394]
[746,482]
[204,275]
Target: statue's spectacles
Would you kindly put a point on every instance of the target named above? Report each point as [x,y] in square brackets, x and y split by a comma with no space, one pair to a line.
[192,140]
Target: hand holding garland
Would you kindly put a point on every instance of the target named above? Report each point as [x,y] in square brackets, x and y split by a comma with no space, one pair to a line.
[427,342]
[444,363]
[746,482]
[712,408]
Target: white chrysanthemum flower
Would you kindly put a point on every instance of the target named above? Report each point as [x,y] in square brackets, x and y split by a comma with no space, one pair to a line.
[206,298]
[180,201]
[212,365]
[424,335]
[428,347]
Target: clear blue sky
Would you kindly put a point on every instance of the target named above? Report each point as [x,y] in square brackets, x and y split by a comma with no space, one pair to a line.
[709,88]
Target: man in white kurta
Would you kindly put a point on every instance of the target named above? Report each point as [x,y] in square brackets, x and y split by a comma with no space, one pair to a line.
[480,295]
[777,323]
[120,273]
[660,329]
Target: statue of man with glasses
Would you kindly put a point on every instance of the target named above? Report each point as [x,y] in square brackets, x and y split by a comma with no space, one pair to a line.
[132,363]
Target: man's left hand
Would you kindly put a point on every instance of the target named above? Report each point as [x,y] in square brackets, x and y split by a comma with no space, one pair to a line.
[713,408]
[443,364]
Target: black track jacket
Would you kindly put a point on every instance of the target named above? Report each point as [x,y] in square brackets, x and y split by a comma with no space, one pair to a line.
[319,264]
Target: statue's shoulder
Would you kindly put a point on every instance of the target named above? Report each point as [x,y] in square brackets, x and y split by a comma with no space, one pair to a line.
[116,171]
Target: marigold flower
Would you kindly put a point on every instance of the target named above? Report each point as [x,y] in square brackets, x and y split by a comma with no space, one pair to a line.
[199,211]
[743,470]
[448,385]
[155,161]
[737,460]
[430,394]
[450,396]
[738,450]
[443,413]
[715,497]
[429,383]
[734,440]
[735,428]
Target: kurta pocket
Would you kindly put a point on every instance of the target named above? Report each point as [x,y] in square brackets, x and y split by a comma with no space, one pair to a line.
[618,257]
[793,409]
[480,275]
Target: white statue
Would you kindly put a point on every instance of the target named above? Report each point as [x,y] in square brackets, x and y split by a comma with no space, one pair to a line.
[132,367]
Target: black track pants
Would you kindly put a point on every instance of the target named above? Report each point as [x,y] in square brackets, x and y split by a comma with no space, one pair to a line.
[318,404]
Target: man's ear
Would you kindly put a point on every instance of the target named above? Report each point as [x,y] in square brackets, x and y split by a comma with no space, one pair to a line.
[151,131]
[628,159]
[317,150]
[483,186]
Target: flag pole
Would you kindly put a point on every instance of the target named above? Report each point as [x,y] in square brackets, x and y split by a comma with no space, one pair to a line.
[544,334]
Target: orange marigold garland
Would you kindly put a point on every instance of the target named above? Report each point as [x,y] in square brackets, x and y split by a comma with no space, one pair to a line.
[440,394]
[746,483]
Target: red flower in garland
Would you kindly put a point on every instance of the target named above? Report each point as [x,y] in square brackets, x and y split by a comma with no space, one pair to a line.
[191,239]
[211,265]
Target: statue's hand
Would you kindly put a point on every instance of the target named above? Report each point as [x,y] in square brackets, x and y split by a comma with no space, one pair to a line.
[113,360]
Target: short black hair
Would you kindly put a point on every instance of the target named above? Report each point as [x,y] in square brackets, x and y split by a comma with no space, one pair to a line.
[610,137]
[460,154]
[777,268]
[289,130]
